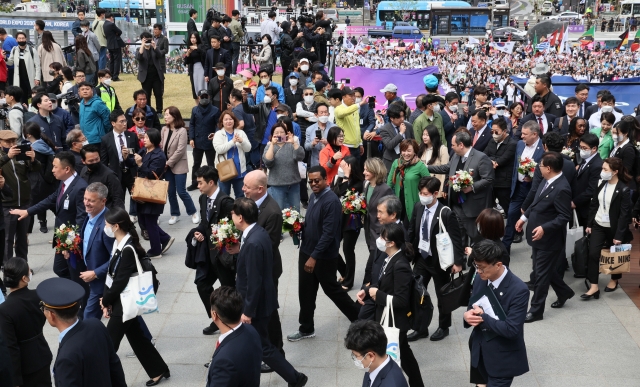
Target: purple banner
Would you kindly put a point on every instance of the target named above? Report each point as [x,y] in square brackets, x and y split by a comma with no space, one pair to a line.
[577,29]
[409,82]
[361,30]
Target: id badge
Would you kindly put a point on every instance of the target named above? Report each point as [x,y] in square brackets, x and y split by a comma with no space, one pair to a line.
[424,246]
[109,281]
[66,204]
[605,218]
[361,121]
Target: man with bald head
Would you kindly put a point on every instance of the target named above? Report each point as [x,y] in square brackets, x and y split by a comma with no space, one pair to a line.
[269,218]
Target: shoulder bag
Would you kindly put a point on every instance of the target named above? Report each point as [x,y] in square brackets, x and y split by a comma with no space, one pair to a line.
[388,322]
[227,168]
[450,294]
[150,191]
[444,244]
[139,296]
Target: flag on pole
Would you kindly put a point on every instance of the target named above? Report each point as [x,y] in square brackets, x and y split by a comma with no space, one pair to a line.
[535,42]
[506,47]
[635,46]
[624,39]
[587,37]
[544,46]
[564,42]
[473,40]
[553,38]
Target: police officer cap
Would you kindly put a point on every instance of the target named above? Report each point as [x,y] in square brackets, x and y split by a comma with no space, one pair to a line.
[59,293]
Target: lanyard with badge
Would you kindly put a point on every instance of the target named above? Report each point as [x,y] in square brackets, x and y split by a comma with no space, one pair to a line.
[605,215]
[110,275]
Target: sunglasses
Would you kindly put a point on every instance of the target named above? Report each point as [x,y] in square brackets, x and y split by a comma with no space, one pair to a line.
[315,181]
[308,95]
[139,119]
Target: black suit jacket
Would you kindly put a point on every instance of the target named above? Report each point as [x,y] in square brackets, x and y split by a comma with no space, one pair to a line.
[506,354]
[561,127]
[254,282]
[152,55]
[74,214]
[212,58]
[109,151]
[86,358]
[376,261]
[389,376]
[483,139]
[550,209]
[291,99]
[371,224]
[396,281]
[221,208]
[628,156]
[450,222]
[619,211]
[191,28]
[568,171]
[236,362]
[550,118]
[504,156]
[270,218]
[21,323]
[585,184]
[112,33]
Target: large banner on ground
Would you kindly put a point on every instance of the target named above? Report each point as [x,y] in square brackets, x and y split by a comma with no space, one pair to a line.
[409,82]
[626,94]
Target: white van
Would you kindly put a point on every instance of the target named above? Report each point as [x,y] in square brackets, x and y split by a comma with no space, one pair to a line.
[547,8]
[331,14]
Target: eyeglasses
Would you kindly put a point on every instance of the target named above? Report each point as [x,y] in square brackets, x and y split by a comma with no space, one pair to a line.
[139,119]
[342,136]
[315,181]
[479,270]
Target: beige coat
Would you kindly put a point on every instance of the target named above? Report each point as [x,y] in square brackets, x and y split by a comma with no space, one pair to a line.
[32,63]
[46,58]
[177,149]
[442,159]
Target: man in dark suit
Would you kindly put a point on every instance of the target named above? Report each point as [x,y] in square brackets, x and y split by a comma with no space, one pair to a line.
[588,175]
[151,68]
[161,44]
[547,219]
[423,227]
[215,54]
[191,23]
[114,45]
[452,119]
[255,259]
[95,171]
[214,205]
[501,150]
[480,133]
[86,356]
[550,102]
[476,197]
[67,203]
[498,351]
[582,93]
[529,147]
[236,360]
[561,124]
[544,120]
[393,133]
[368,345]
[269,218]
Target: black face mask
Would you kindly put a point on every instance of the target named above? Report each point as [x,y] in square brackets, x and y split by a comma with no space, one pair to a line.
[22,44]
[94,167]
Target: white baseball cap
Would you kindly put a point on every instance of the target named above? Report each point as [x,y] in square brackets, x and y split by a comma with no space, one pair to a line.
[390,88]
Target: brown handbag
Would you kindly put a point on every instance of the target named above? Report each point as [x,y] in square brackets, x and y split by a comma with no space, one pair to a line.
[150,191]
[226,169]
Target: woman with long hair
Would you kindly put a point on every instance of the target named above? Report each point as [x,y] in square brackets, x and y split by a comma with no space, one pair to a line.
[433,152]
[405,175]
[232,143]
[122,265]
[43,183]
[608,224]
[624,134]
[195,58]
[395,281]
[174,143]
[49,51]
[349,180]
[84,59]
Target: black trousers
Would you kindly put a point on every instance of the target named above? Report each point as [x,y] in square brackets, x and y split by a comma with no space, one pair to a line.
[492,381]
[347,268]
[270,354]
[545,264]
[216,272]
[504,197]
[275,328]
[467,226]
[40,378]
[154,84]
[408,363]
[324,274]
[15,232]
[197,161]
[429,270]
[148,355]
[115,63]
[601,238]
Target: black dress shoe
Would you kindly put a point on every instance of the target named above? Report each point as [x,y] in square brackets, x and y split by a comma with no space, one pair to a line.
[595,295]
[145,235]
[192,187]
[301,382]
[517,238]
[439,334]
[211,329]
[415,335]
[265,369]
[530,317]
[165,375]
[561,301]
[43,227]
[206,365]
[609,290]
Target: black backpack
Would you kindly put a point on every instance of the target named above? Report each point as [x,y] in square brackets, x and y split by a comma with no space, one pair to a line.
[421,307]
[26,114]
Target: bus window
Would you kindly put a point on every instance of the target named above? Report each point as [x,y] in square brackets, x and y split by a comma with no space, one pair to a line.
[626,9]
[636,9]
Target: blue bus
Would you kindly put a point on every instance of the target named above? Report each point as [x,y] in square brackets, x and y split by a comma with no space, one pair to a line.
[415,13]
[141,11]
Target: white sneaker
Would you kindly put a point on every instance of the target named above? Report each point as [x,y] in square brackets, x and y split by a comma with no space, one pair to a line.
[134,219]
[195,218]
[174,220]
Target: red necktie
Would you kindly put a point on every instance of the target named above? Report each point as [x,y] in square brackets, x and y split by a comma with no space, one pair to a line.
[475,138]
[541,126]
[217,344]
[61,192]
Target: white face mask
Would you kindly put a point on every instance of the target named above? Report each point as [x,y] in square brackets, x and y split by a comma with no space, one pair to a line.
[381,244]
[606,176]
[500,113]
[54,106]
[279,115]
[496,137]
[267,100]
[585,153]
[358,100]
[620,138]
[340,172]
[323,119]
[293,82]
[426,200]
[265,42]
[436,108]
[607,109]
[304,67]
[85,29]
[308,99]
[220,72]
[360,366]
[453,108]
[264,81]
[85,142]
[107,81]
[109,232]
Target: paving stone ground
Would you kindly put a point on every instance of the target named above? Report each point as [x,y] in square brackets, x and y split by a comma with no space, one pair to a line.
[592,343]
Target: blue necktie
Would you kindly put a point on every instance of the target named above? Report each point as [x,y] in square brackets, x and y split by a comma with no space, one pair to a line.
[425,231]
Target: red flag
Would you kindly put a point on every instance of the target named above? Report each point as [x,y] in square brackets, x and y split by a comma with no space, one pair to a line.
[552,38]
[560,34]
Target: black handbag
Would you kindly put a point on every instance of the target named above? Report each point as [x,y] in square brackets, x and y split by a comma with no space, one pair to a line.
[421,306]
[580,257]
[228,260]
[450,294]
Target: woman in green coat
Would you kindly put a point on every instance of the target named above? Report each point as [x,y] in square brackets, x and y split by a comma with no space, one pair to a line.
[406,172]
[604,134]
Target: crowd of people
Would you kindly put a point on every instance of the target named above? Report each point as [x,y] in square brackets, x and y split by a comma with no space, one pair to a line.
[454,162]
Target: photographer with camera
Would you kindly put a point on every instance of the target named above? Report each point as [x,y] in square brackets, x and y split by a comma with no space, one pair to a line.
[13,96]
[311,33]
[325,36]
[50,124]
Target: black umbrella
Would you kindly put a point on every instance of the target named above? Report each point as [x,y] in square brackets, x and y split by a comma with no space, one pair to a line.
[546,27]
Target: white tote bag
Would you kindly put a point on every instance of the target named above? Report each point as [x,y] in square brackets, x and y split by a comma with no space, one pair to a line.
[392,333]
[138,297]
[573,234]
[444,244]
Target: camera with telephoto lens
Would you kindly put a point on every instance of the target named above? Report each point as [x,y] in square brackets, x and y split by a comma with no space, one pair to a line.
[4,109]
[69,98]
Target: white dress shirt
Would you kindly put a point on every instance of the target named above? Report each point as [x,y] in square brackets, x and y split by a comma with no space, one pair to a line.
[497,282]
[432,211]
[373,374]
[528,151]
[226,334]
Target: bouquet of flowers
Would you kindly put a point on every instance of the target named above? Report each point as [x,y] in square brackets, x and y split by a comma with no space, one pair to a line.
[527,166]
[224,234]
[354,204]
[462,179]
[568,152]
[68,239]
[292,223]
